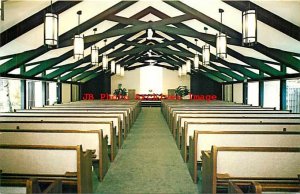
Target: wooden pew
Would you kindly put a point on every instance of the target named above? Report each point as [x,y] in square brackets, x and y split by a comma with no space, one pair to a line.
[106,127]
[204,140]
[236,118]
[260,188]
[223,164]
[127,111]
[30,186]
[189,129]
[89,139]
[64,117]
[176,114]
[68,163]
[122,114]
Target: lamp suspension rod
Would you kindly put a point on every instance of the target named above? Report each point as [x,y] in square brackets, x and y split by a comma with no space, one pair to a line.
[78,13]
[51,9]
[221,12]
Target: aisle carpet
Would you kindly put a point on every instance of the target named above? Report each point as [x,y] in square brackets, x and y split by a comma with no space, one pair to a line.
[149,161]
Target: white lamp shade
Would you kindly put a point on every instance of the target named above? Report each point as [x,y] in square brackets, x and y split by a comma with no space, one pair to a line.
[104,61]
[118,69]
[113,66]
[122,71]
[249,27]
[196,61]
[78,47]
[183,69]
[51,29]
[221,44]
[95,55]
[188,66]
[206,55]
[179,71]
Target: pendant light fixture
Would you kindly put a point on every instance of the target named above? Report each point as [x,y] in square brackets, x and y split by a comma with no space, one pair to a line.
[221,41]
[188,66]
[50,28]
[78,42]
[113,66]
[249,23]
[205,52]
[95,52]
[196,58]
[183,70]
[122,73]
[104,58]
[118,69]
[179,72]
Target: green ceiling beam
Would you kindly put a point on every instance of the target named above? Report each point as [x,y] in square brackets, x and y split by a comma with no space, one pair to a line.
[213,77]
[173,20]
[85,74]
[43,66]
[62,70]
[21,59]
[88,75]
[74,73]
[173,52]
[216,73]
[27,56]
[280,56]
[227,71]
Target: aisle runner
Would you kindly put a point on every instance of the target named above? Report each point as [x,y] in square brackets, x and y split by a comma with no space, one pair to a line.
[149,161]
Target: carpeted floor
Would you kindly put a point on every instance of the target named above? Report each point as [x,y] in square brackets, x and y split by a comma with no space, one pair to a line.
[149,161]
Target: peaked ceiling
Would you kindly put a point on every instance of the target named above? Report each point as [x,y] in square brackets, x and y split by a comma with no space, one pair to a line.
[176,23]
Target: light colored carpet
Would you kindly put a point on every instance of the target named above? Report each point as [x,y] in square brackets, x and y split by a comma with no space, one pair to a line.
[149,161]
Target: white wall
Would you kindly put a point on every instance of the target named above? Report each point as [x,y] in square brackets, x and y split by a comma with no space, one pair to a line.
[272,94]
[133,80]
[253,93]
[238,93]
[66,93]
[171,80]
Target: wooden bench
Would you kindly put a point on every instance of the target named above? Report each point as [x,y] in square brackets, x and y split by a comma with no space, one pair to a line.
[180,117]
[190,127]
[122,114]
[68,163]
[238,118]
[260,188]
[89,139]
[176,114]
[204,140]
[30,186]
[64,117]
[223,164]
[106,127]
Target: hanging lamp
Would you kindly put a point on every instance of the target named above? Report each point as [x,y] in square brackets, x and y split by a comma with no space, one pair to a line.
[113,66]
[205,52]
[196,58]
[122,73]
[183,70]
[78,42]
[118,69]
[221,41]
[95,52]
[249,23]
[188,66]
[104,58]
[50,28]
[179,72]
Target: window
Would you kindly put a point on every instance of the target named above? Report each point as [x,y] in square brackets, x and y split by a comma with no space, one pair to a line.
[293,95]
[151,79]
[10,95]
[253,93]
[272,94]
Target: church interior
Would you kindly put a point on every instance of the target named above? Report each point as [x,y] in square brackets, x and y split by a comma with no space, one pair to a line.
[149,96]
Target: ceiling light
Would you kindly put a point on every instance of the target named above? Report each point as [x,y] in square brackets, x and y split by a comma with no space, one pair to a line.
[78,42]
[196,58]
[50,28]
[95,53]
[249,23]
[205,52]
[221,42]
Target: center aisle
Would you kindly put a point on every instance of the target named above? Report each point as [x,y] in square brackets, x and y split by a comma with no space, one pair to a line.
[149,162]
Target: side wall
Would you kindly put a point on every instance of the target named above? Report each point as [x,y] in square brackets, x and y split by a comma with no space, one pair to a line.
[202,85]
